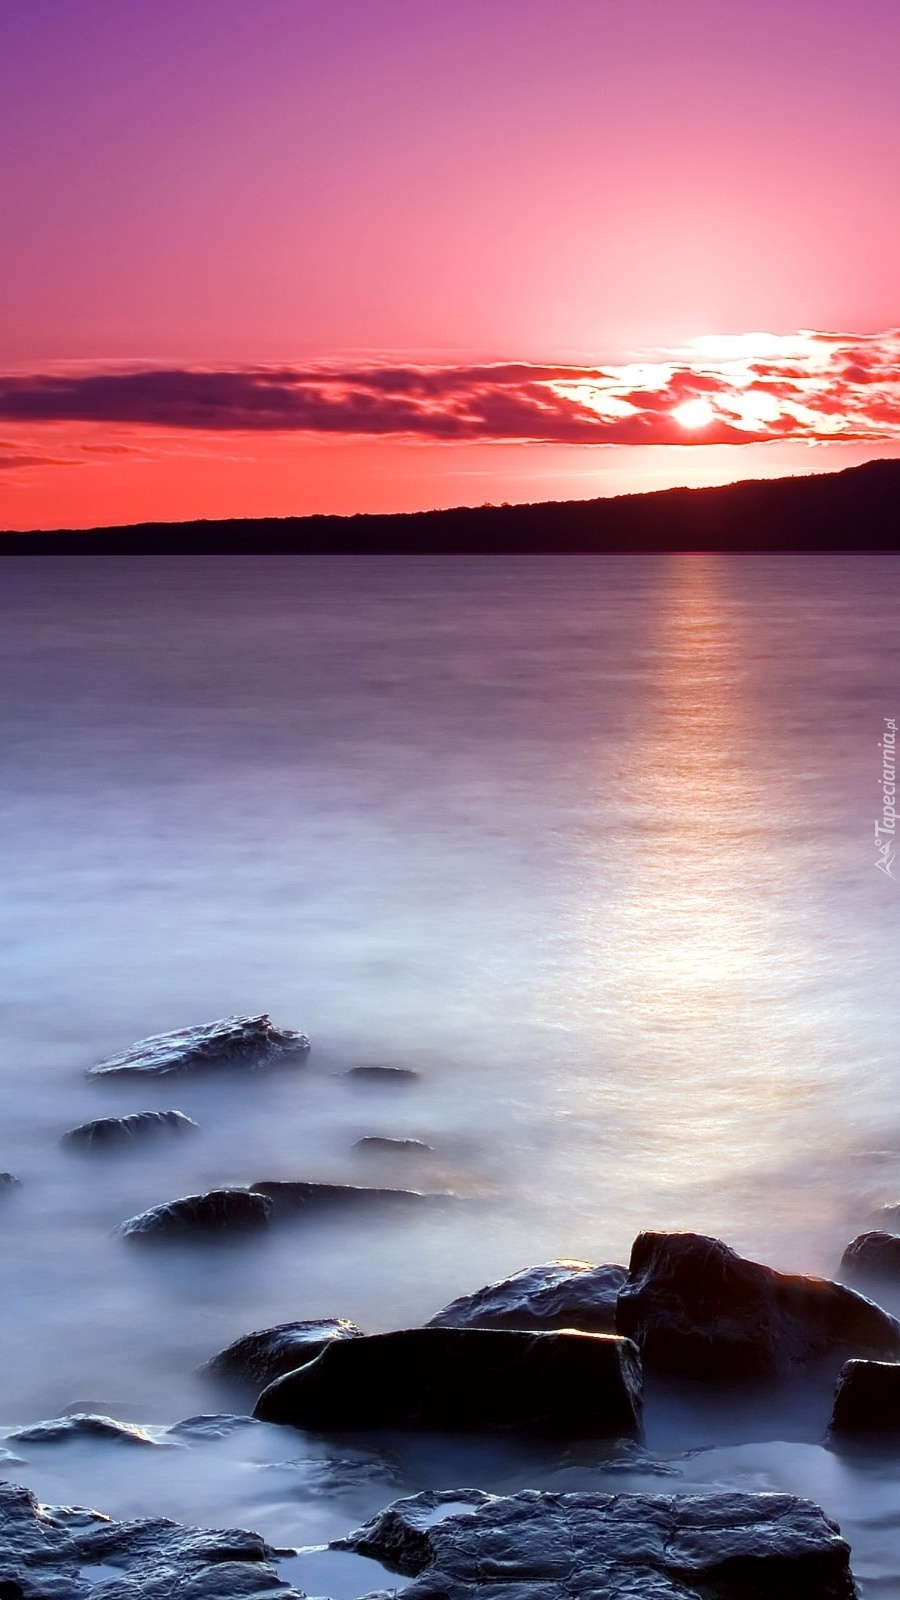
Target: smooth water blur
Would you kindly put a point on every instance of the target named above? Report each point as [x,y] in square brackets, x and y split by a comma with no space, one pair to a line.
[587,841]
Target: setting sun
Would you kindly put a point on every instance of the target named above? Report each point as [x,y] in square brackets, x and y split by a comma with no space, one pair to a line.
[694,414]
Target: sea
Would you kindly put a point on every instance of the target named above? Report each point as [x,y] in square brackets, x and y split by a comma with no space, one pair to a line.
[588,842]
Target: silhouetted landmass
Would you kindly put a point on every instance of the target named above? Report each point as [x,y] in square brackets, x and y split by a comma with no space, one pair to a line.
[858,509]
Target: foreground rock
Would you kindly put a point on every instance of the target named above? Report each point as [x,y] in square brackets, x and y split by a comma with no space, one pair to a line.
[233,1041]
[113,1132]
[290,1195]
[259,1358]
[57,1553]
[534,1546]
[218,1211]
[696,1309]
[562,1294]
[83,1425]
[867,1400]
[577,1384]
[872,1255]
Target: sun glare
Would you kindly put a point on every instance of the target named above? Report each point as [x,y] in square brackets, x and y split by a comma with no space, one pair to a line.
[694,414]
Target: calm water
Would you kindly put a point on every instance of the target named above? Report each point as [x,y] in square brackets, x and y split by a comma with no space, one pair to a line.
[588,842]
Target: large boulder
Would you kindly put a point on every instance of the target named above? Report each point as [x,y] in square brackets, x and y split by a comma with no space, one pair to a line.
[578,1384]
[465,1545]
[561,1294]
[867,1399]
[257,1359]
[106,1133]
[61,1553]
[217,1211]
[697,1309]
[872,1255]
[294,1194]
[230,1042]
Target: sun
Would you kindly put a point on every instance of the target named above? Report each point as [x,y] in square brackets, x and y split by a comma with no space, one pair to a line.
[694,414]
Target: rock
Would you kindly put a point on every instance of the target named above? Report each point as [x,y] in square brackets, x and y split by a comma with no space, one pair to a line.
[562,1294]
[210,1425]
[60,1553]
[390,1077]
[580,1384]
[83,1425]
[215,1212]
[258,1358]
[373,1144]
[8,1180]
[696,1309]
[233,1041]
[867,1399]
[887,1218]
[291,1195]
[107,1132]
[872,1255]
[539,1546]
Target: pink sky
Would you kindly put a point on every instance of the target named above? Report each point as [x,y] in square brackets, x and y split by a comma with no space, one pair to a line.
[281,257]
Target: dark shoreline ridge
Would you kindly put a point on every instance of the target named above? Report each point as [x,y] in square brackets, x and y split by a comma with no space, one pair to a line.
[854,509]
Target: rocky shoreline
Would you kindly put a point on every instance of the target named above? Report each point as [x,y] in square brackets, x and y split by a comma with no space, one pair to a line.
[561,1351]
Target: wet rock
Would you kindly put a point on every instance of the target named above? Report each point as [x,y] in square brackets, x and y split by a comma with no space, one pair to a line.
[8,1180]
[577,1384]
[60,1553]
[872,1255]
[539,1546]
[230,1042]
[390,1077]
[291,1195]
[258,1358]
[324,1477]
[867,1399]
[114,1132]
[697,1309]
[562,1294]
[83,1425]
[376,1145]
[210,1425]
[218,1211]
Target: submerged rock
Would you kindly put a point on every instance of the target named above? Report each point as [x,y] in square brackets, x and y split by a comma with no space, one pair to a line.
[210,1425]
[60,1553]
[8,1180]
[561,1294]
[232,1041]
[215,1212]
[872,1255]
[292,1195]
[83,1425]
[578,1384]
[391,1077]
[258,1358]
[697,1309]
[108,1132]
[376,1145]
[539,1546]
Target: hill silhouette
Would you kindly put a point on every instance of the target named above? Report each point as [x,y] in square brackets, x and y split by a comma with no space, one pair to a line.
[857,509]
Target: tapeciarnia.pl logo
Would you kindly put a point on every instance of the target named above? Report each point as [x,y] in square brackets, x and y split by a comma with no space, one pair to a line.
[886,828]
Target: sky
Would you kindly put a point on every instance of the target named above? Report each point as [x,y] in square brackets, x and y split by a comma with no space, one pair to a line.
[272,257]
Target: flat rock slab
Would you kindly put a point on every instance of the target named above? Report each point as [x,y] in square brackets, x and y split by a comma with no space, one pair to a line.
[199,1216]
[468,1546]
[697,1309]
[106,1133]
[561,1294]
[867,1399]
[388,1077]
[230,1042]
[296,1195]
[581,1385]
[57,1553]
[259,1358]
[376,1144]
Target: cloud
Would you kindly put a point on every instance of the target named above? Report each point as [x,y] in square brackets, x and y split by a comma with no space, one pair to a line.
[819,386]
